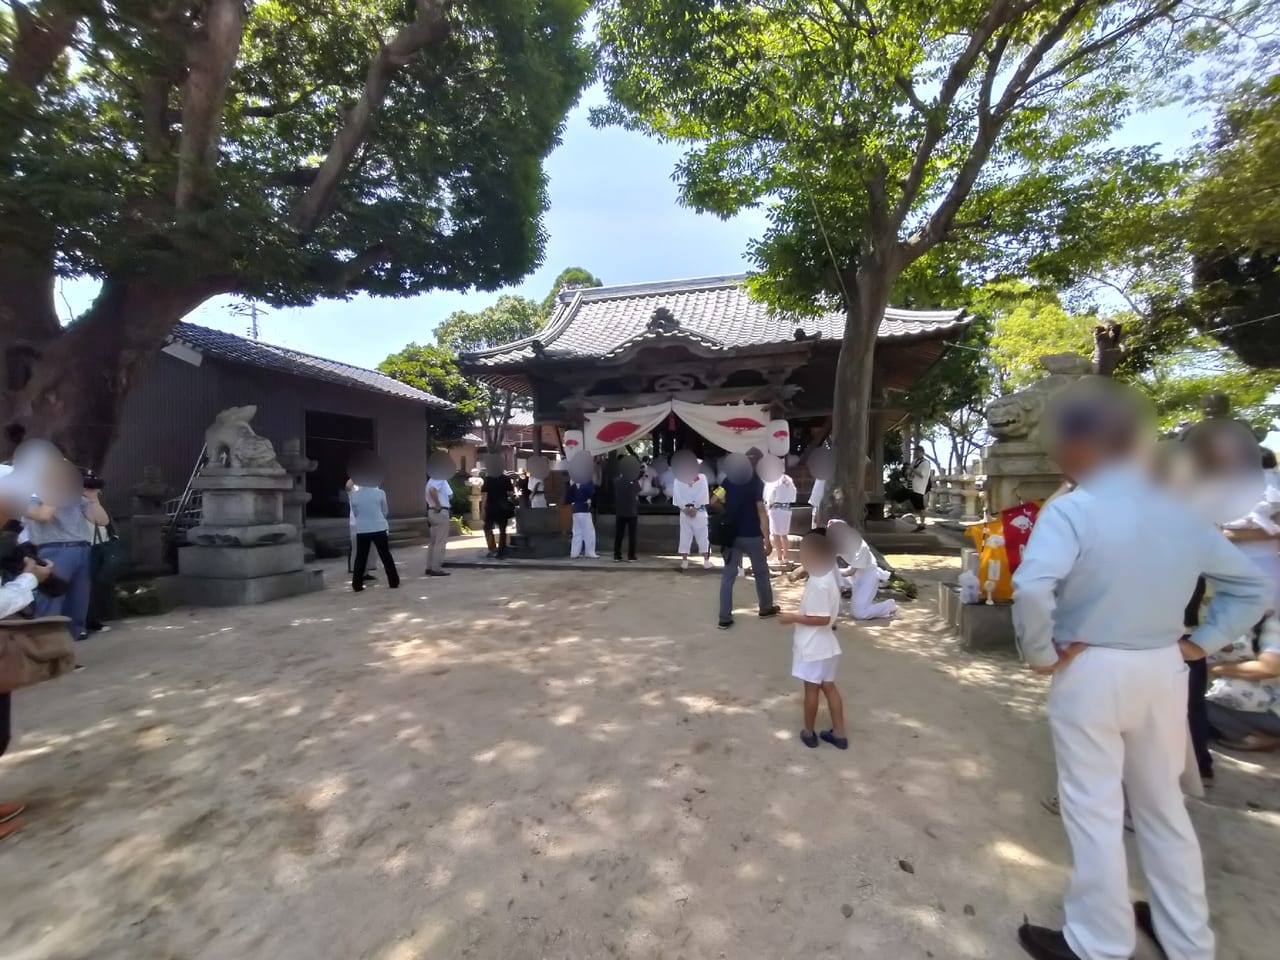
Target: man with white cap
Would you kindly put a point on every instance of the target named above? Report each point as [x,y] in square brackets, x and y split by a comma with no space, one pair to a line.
[1098,604]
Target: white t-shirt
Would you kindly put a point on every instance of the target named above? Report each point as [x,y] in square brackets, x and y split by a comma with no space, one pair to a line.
[443,491]
[921,474]
[822,599]
[815,495]
[781,491]
[696,493]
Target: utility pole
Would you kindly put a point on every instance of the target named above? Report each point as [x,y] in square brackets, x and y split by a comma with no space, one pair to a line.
[251,311]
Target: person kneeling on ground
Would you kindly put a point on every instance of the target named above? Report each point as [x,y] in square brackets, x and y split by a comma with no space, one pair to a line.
[815,650]
[1244,694]
[861,576]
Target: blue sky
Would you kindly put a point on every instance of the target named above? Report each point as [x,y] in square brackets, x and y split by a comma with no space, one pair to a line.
[613,211]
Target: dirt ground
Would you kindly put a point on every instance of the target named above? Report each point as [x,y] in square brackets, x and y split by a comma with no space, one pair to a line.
[517,765]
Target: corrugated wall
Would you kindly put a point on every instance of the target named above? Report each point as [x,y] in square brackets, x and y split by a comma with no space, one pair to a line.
[173,403]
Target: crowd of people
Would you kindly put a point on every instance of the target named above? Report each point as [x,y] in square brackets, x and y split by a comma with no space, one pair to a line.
[1108,602]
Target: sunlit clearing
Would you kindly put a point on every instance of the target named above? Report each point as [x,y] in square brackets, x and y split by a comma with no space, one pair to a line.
[1016,853]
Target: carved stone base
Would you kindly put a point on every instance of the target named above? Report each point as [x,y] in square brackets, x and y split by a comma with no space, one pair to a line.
[217,592]
[240,563]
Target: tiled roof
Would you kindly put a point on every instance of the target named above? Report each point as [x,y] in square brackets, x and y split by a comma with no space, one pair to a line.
[255,353]
[715,313]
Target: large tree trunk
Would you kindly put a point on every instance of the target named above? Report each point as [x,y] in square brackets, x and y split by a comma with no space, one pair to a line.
[851,403]
[79,379]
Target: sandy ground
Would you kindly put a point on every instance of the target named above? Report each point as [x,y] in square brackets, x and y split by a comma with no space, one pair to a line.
[526,765]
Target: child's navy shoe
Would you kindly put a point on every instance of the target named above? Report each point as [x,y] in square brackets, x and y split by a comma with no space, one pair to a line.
[840,743]
[809,738]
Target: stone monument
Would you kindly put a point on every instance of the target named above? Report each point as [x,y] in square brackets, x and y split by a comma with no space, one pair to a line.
[148,522]
[243,550]
[1015,464]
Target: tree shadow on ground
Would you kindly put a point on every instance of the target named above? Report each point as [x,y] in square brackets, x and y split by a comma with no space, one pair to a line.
[525,765]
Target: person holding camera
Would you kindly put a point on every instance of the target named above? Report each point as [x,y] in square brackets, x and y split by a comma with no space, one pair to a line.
[16,595]
[63,531]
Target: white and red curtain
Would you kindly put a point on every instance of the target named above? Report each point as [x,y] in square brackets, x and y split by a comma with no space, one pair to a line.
[735,429]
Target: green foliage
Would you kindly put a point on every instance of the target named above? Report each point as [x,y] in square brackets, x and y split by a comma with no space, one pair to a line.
[446,190]
[435,370]
[876,132]
[571,279]
[1235,217]
[511,318]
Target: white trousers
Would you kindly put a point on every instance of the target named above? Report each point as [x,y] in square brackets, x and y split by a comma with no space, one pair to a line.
[862,605]
[693,529]
[779,522]
[1119,722]
[584,536]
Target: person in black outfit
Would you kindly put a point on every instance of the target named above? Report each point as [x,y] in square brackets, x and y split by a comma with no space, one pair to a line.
[1197,687]
[626,510]
[497,490]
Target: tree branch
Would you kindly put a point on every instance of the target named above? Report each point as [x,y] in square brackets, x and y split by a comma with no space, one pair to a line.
[1000,13]
[365,260]
[276,109]
[211,59]
[430,26]
[41,38]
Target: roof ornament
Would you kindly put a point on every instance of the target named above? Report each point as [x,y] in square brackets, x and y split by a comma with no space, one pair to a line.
[538,347]
[663,321]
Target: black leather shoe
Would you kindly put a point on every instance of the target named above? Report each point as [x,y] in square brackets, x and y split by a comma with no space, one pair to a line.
[1045,944]
[1146,923]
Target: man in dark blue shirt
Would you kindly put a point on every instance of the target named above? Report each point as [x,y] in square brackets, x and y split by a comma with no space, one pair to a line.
[747,521]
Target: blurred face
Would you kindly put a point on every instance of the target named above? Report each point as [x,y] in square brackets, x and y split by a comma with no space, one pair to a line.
[817,557]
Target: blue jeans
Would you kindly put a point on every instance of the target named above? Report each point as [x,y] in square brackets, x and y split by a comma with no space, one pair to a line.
[70,563]
[753,548]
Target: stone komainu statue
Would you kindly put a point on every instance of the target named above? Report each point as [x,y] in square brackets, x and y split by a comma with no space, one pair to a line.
[1018,416]
[232,443]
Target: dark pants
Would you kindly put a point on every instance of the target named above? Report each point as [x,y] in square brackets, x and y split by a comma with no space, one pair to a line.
[497,525]
[752,547]
[1234,725]
[1198,714]
[1197,687]
[917,500]
[4,722]
[378,540]
[621,525]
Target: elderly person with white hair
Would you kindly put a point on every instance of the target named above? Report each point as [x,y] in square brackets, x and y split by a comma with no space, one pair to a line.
[1098,605]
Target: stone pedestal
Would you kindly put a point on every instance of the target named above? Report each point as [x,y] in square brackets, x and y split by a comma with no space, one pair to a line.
[243,551]
[1017,471]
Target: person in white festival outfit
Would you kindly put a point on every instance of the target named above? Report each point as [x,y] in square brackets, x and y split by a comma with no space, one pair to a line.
[861,576]
[692,498]
[1098,603]
[779,498]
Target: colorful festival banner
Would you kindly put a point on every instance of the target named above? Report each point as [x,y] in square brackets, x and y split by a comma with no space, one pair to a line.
[735,429]
[1017,523]
[613,429]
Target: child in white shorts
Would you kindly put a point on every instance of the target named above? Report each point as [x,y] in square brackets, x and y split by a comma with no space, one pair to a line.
[815,651]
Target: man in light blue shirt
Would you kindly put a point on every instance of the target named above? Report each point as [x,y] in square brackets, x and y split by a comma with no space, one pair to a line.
[1098,603]
[369,520]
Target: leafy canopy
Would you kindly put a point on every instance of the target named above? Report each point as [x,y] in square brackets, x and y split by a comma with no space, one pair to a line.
[226,142]
[434,370]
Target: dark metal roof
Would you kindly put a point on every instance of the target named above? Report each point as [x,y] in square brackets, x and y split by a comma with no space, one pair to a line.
[715,313]
[267,356]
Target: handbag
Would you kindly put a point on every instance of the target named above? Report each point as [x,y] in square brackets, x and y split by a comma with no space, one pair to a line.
[32,651]
[108,559]
[722,530]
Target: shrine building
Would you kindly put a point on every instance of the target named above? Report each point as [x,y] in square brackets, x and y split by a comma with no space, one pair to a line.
[706,342]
